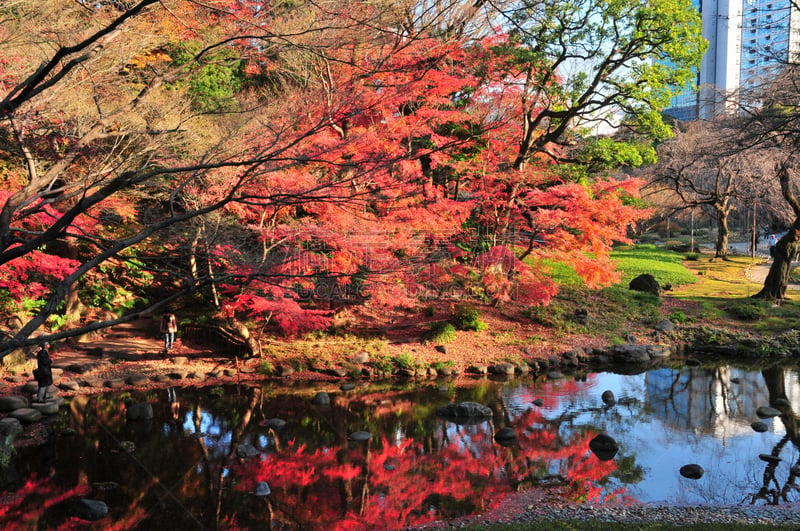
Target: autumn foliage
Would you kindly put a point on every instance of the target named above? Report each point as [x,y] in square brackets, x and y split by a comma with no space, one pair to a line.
[283,160]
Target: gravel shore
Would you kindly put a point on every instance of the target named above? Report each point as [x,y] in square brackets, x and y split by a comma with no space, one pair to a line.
[538,507]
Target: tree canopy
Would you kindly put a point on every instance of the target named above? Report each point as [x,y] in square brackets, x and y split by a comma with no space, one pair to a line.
[270,159]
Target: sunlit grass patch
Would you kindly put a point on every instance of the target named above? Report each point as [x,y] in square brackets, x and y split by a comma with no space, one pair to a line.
[631,261]
[720,279]
[666,266]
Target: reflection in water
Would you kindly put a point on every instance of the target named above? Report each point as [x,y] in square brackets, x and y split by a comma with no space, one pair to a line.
[199,463]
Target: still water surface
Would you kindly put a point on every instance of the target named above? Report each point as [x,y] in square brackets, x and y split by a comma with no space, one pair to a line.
[188,467]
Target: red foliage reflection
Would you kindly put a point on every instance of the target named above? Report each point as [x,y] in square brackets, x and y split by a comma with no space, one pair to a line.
[395,484]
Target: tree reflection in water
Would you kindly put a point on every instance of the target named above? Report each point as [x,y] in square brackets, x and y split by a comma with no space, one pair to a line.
[771,490]
[185,471]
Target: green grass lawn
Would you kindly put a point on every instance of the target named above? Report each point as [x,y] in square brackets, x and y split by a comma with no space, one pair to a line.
[666,266]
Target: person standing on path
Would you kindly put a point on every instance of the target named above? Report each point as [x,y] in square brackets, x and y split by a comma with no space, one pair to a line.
[169,326]
[44,372]
[773,241]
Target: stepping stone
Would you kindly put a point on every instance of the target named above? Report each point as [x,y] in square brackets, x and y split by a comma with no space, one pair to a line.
[246,451]
[10,403]
[10,428]
[245,369]
[69,385]
[284,371]
[80,368]
[139,411]
[505,436]
[86,509]
[161,378]
[608,398]
[765,412]
[93,382]
[321,399]
[274,423]
[229,372]
[180,360]
[49,407]
[692,471]
[105,485]
[30,387]
[138,379]
[59,400]
[15,379]
[115,383]
[213,374]
[360,436]
[26,415]
[127,446]
[502,368]
[262,489]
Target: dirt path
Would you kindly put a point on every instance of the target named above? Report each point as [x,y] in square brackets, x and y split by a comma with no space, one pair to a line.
[758,273]
[130,356]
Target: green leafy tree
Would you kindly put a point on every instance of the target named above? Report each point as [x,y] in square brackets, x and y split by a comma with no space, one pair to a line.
[598,61]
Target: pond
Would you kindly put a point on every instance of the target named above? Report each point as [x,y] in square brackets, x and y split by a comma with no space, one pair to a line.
[267,456]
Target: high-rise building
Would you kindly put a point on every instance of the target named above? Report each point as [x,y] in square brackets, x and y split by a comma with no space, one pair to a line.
[747,41]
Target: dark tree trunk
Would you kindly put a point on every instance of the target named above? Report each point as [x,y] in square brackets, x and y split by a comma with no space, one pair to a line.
[786,249]
[722,233]
[778,276]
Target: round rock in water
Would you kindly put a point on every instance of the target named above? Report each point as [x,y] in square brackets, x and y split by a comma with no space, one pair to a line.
[538,402]
[246,451]
[759,427]
[604,447]
[9,429]
[347,386]
[321,399]
[140,411]
[505,436]
[608,398]
[275,423]
[262,489]
[692,471]
[89,509]
[127,446]
[765,412]
[360,436]
[465,412]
